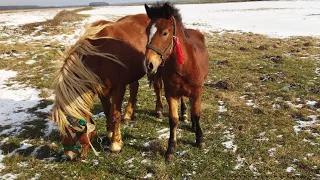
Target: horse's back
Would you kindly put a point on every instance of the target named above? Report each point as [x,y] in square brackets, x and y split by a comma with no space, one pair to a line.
[126,40]
[130,29]
[100,23]
[196,38]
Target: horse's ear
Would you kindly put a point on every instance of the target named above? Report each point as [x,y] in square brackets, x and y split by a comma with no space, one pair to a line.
[147,10]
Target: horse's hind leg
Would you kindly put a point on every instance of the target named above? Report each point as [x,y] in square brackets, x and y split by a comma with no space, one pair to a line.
[195,118]
[157,84]
[106,104]
[116,140]
[173,121]
[132,102]
[184,116]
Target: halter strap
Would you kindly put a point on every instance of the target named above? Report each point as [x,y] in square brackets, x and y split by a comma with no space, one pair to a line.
[81,125]
[158,51]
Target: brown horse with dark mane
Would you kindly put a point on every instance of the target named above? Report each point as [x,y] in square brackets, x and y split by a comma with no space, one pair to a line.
[103,61]
[182,55]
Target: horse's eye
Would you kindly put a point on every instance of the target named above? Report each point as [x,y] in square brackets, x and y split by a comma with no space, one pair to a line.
[165,33]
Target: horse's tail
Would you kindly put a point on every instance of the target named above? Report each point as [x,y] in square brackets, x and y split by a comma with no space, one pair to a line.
[75,85]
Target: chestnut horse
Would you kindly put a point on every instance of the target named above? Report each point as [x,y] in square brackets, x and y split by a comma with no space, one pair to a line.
[183,55]
[103,61]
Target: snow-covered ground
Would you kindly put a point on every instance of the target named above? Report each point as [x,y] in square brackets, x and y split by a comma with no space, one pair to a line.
[276,19]
[15,100]
[26,16]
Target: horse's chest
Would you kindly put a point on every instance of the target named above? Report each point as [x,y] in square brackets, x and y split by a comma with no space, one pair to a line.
[179,86]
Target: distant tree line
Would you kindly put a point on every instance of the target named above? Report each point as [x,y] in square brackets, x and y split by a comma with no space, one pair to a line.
[19,7]
[98,4]
[3,8]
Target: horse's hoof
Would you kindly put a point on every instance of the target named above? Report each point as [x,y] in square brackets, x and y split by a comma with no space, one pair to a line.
[185,118]
[159,115]
[115,147]
[169,157]
[201,145]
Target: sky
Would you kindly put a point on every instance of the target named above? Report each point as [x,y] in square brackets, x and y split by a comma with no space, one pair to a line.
[61,2]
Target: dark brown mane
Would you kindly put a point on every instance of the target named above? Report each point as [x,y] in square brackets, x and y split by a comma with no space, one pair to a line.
[164,10]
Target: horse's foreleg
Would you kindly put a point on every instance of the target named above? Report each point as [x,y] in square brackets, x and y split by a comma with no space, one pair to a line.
[173,122]
[106,104]
[195,118]
[184,109]
[132,102]
[116,140]
[157,84]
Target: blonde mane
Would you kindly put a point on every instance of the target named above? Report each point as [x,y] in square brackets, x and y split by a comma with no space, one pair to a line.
[75,85]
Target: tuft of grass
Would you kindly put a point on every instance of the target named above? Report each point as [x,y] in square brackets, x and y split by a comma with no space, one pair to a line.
[64,16]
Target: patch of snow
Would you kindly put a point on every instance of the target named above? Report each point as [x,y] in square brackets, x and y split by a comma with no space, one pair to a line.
[254,170]
[230,137]
[311,142]
[303,124]
[250,102]
[1,159]
[22,164]
[149,175]
[163,130]
[240,162]
[95,162]
[50,127]
[46,110]
[272,151]
[132,141]
[30,62]
[294,106]
[317,71]
[243,97]
[23,145]
[9,176]
[182,153]
[2,156]
[164,136]
[99,115]
[146,144]
[15,100]
[146,161]
[129,161]
[19,18]
[243,16]
[222,107]
[290,169]
[35,151]
[36,176]
[311,104]
[276,106]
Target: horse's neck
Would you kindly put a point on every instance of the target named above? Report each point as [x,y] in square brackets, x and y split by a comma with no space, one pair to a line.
[188,52]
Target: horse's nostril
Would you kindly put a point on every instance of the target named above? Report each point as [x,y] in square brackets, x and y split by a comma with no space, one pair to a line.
[150,66]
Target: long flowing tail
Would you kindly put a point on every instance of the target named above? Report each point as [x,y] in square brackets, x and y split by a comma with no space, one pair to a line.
[75,85]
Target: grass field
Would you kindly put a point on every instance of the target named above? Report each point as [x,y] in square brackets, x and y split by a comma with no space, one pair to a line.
[260,116]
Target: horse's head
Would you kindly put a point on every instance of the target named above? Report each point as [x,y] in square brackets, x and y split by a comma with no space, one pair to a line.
[161,33]
[78,137]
